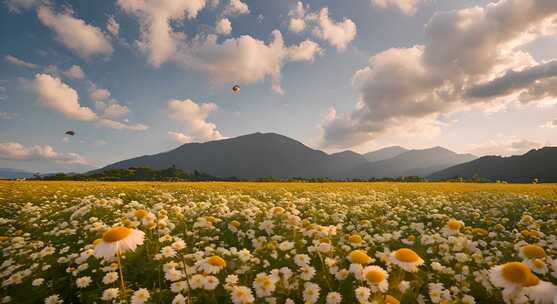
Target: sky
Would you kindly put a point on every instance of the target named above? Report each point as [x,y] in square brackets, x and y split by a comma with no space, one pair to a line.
[136,77]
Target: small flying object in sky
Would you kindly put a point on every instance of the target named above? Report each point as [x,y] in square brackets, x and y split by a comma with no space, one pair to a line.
[236,89]
[72,133]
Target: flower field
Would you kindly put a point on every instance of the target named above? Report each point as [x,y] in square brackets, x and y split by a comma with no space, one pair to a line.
[93,242]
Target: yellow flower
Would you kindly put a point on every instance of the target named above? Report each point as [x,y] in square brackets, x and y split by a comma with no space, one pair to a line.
[140,213]
[216,261]
[235,223]
[454,224]
[359,257]
[391,300]
[531,252]
[118,240]
[355,238]
[406,259]
[512,275]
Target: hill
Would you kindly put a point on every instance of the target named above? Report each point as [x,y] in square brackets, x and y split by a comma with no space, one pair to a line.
[536,164]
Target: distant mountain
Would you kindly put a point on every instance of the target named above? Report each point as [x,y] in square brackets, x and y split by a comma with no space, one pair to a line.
[8,173]
[262,155]
[414,163]
[384,153]
[255,155]
[540,164]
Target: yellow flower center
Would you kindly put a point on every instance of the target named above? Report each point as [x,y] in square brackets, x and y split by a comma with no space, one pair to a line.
[516,272]
[217,261]
[454,224]
[3,238]
[531,280]
[355,238]
[116,234]
[140,213]
[406,255]
[480,231]
[411,237]
[235,223]
[391,300]
[533,251]
[324,240]
[97,241]
[375,276]
[278,210]
[539,263]
[359,257]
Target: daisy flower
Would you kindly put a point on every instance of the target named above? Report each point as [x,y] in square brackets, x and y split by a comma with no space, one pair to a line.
[140,296]
[118,240]
[376,277]
[241,295]
[406,259]
[359,257]
[512,275]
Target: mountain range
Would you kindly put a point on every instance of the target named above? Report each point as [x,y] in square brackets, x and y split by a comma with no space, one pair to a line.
[538,164]
[8,173]
[262,155]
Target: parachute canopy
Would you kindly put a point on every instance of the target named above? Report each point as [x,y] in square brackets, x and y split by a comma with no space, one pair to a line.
[72,133]
[236,89]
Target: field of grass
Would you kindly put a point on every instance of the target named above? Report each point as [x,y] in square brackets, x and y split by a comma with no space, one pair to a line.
[216,242]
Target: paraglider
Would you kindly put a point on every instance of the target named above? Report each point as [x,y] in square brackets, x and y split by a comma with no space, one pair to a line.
[72,133]
[236,89]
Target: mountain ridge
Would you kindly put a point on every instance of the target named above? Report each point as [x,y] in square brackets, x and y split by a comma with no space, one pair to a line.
[262,155]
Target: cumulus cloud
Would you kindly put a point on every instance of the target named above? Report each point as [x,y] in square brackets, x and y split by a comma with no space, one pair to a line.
[17,151]
[118,125]
[235,8]
[237,60]
[179,137]
[408,7]
[337,34]
[505,147]
[464,48]
[19,5]
[193,117]
[109,107]
[296,25]
[158,40]
[84,39]
[112,26]
[55,94]
[16,61]
[305,51]
[223,27]
[75,72]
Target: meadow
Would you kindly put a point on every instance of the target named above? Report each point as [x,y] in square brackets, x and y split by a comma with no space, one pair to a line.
[216,242]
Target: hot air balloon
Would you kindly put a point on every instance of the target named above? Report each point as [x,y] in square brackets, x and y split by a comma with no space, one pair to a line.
[72,133]
[236,89]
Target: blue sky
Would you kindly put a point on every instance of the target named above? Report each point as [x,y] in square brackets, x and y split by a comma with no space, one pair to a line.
[134,77]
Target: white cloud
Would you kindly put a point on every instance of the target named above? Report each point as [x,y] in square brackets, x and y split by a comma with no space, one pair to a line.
[75,72]
[112,26]
[55,94]
[19,5]
[337,34]
[505,146]
[237,60]
[305,51]
[16,61]
[223,27]
[109,107]
[235,8]
[296,25]
[158,40]
[179,137]
[97,94]
[408,7]
[118,125]
[194,118]
[19,152]
[84,39]
[464,48]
